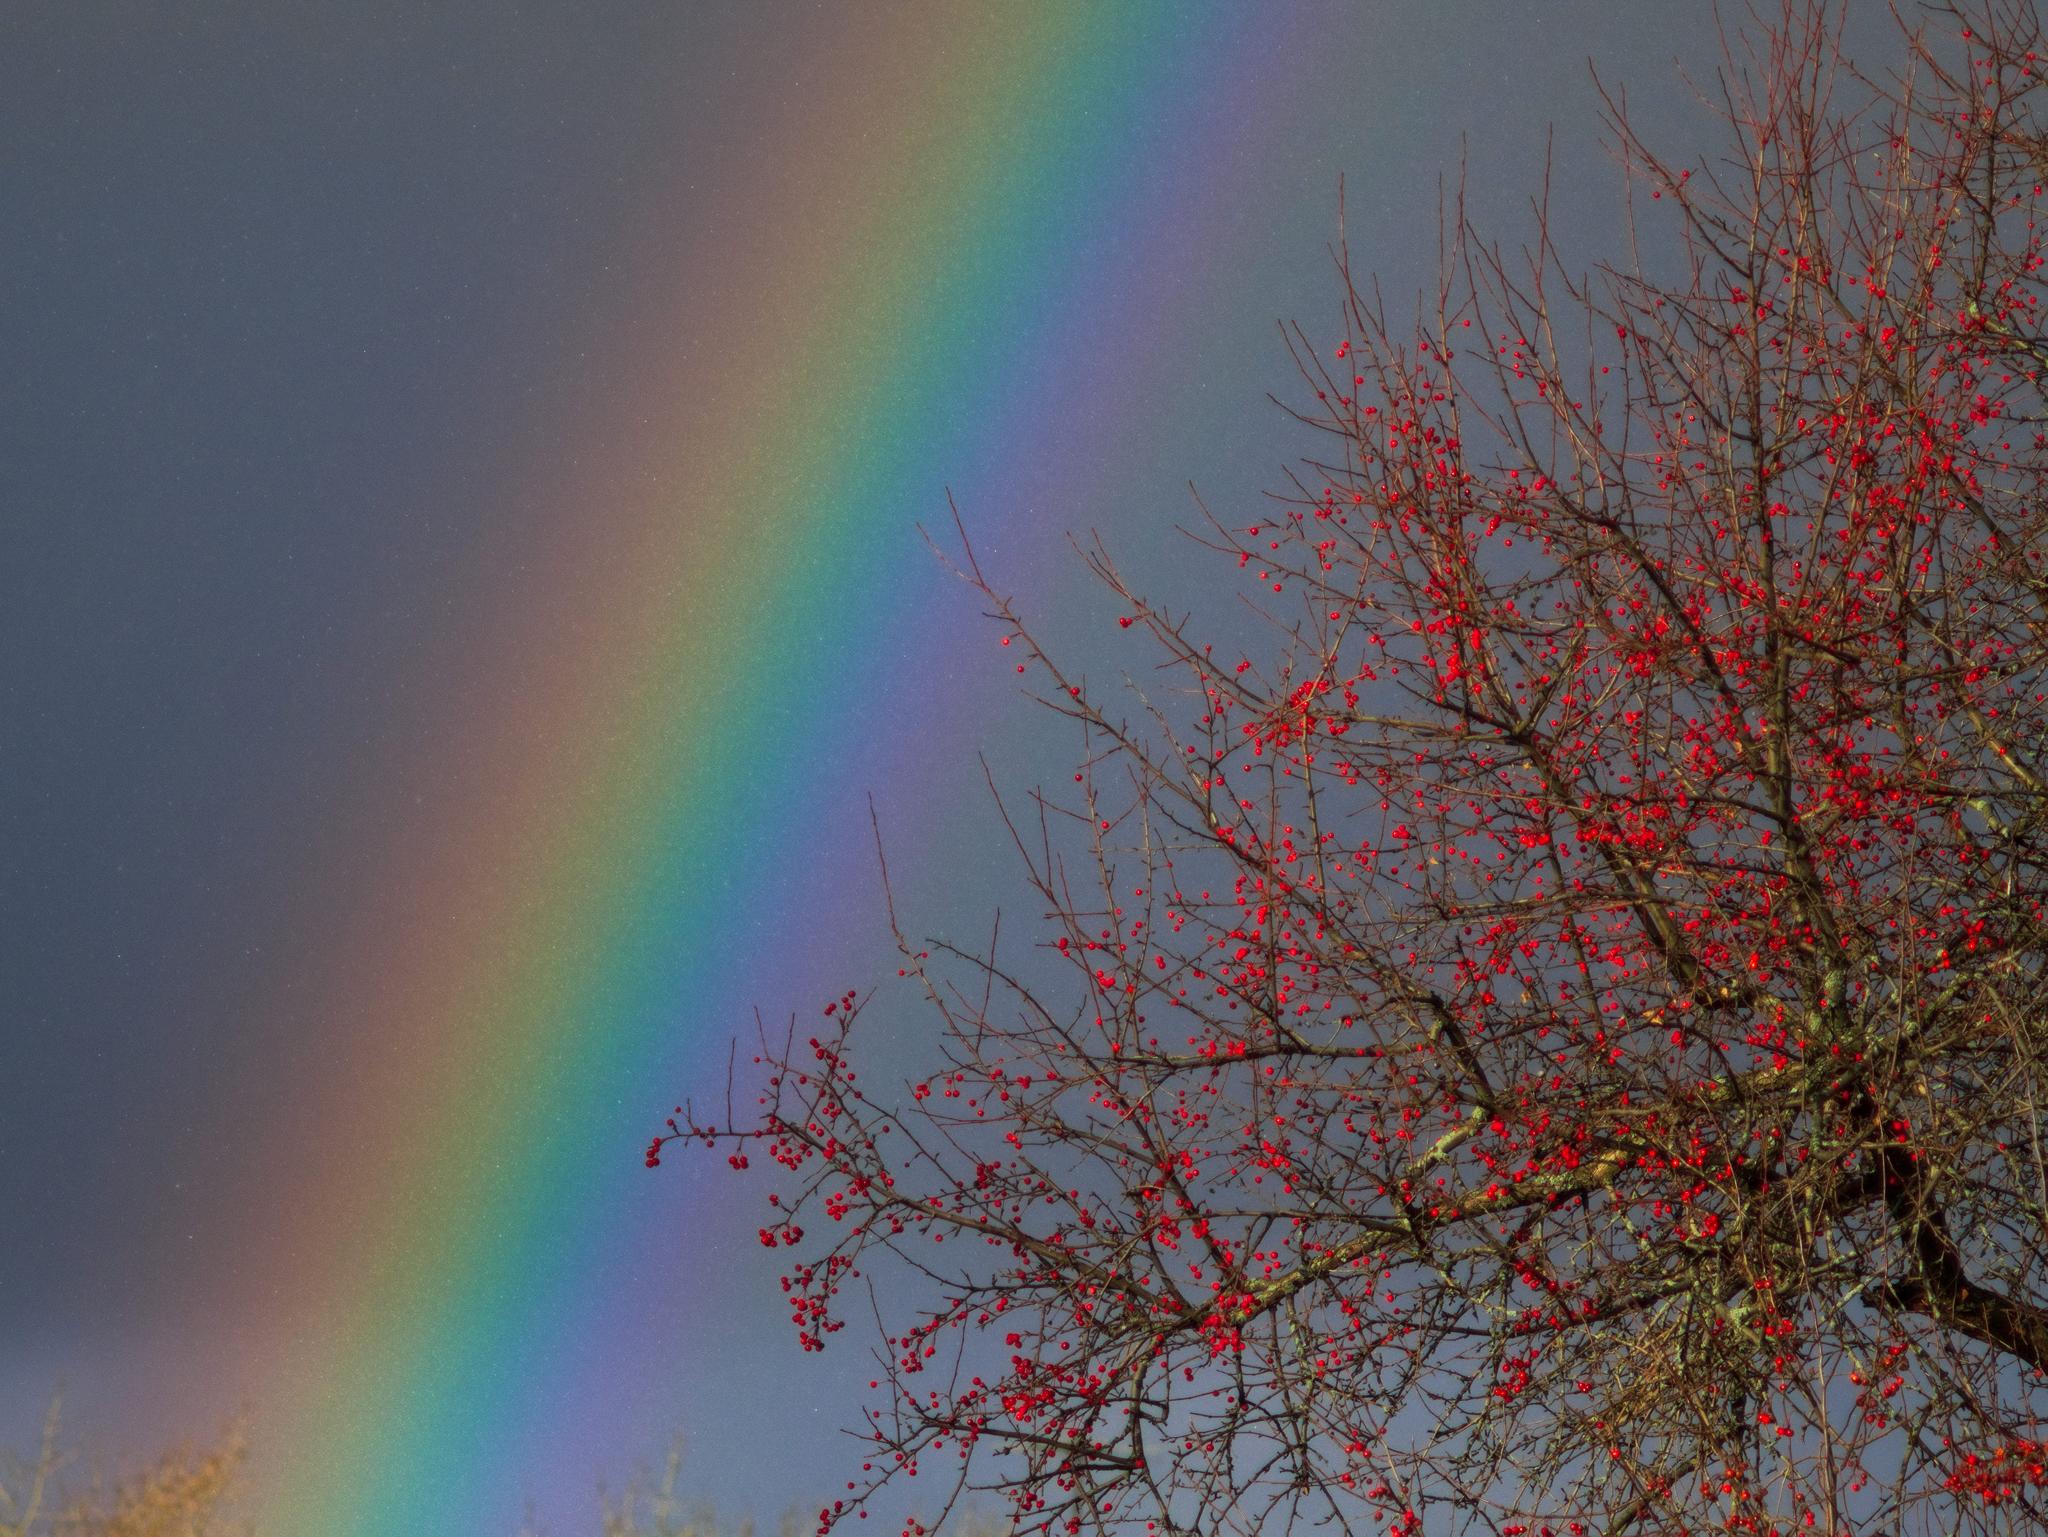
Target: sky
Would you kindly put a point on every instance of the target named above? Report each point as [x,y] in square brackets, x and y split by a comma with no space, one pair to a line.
[461,471]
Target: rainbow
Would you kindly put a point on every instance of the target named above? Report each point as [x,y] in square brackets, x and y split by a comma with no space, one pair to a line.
[623,823]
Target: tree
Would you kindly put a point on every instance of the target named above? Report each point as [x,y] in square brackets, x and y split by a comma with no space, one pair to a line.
[186,1493]
[1553,1044]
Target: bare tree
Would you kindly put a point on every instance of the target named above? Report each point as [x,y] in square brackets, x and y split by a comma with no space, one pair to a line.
[1553,1043]
[186,1493]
